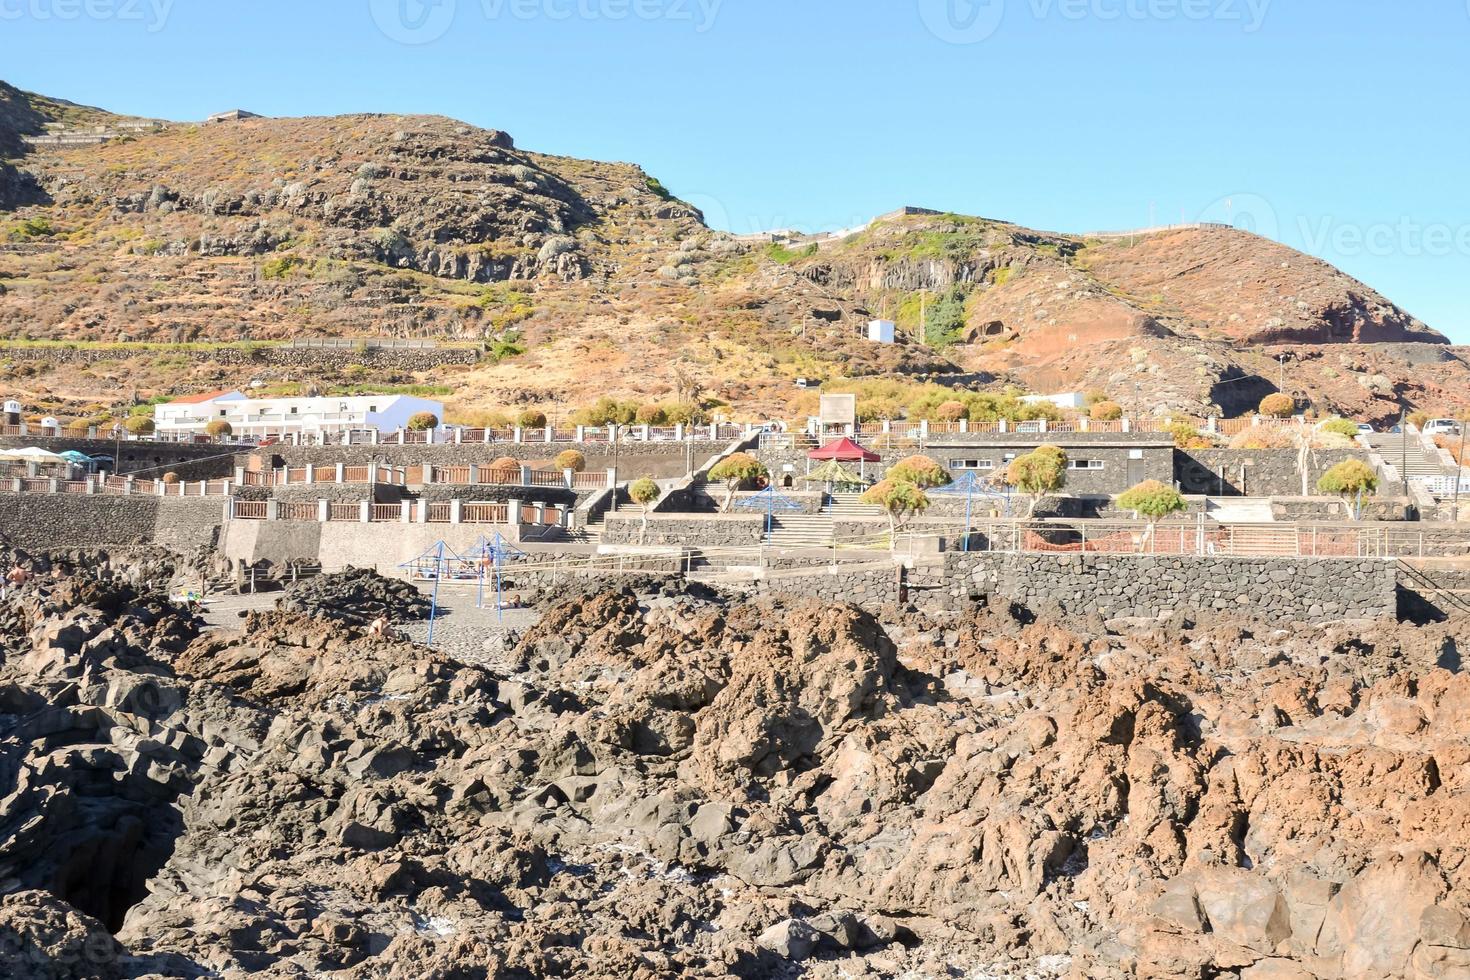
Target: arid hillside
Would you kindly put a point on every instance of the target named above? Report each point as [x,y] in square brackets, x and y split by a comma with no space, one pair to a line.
[584,279]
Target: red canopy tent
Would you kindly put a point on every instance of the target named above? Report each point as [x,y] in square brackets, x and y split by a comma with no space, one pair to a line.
[845,451]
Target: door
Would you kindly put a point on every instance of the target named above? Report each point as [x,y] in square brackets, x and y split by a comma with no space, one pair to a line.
[1136,472]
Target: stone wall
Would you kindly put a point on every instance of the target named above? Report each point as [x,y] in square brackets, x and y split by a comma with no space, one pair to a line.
[38,521]
[1279,591]
[703,530]
[317,359]
[869,586]
[660,460]
[1255,472]
[192,461]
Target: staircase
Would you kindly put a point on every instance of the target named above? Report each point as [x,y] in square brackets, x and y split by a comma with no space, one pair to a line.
[801,531]
[845,506]
[1422,461]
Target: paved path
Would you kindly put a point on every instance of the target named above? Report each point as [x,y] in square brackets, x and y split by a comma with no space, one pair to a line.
[460,629]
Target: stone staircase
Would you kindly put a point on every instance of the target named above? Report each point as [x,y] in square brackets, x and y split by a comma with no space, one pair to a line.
[801,531]
[1422,460]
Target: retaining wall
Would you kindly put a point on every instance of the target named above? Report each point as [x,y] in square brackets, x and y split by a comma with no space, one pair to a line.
[706,531]
[38,521]
[1304,590]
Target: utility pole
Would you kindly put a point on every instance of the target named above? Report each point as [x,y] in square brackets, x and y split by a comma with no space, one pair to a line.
[1281,385]
[1404,442]
[923,314]
[1460,464]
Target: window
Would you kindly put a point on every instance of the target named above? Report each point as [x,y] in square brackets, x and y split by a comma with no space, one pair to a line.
[972,464]
[223,412]
[294,409]
[1084,464]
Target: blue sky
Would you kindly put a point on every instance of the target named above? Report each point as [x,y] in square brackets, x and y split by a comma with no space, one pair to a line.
[1340,127]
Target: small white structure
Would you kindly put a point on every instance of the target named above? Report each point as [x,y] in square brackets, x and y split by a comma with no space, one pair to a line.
[882,331]
[233,115]
[1070,399]
[274,418]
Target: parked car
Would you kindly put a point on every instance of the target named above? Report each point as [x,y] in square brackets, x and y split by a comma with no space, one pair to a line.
[1441,427]
[1364,429]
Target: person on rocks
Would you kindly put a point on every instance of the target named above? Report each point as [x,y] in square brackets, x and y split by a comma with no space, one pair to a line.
[379,627]
[16,579]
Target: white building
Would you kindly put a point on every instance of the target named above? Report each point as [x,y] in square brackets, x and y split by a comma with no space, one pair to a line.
[1070,399]
[273,418]
[881,331]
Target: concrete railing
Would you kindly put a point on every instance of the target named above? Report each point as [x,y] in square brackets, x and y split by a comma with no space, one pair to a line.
[404,512]
[119,486]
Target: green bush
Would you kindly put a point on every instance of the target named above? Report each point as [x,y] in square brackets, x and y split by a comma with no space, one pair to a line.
[218,428]
[643,492]
[423,421]
[139,425]
[280,268]
[1347,478]
[1340,427]
[1152,500]
[531,419]
[922,471]
[572,460]
[1106,411]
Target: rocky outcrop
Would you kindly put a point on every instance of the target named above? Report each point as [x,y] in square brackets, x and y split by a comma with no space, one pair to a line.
[652,782]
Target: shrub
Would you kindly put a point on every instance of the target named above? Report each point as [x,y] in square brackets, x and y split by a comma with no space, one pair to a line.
[922,471]
[1038,473]
[171,478]
[735,469]
[1340,427]
[139,425]
[1152,500]
[572,460]
[505,463]
[1187,436]
[1094,396]
[1348,478]
[1106,411]
[643,492]
[652,415]
[218,428]
[423,421]
[899,500]
[1418,418]
[952,411]
[1278,406]
[280,268]
[531,419]
[1261,437]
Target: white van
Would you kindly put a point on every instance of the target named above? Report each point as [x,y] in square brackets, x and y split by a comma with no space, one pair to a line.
[1441,427]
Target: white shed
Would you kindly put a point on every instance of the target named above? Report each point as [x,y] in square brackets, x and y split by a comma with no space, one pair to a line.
[881,331]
